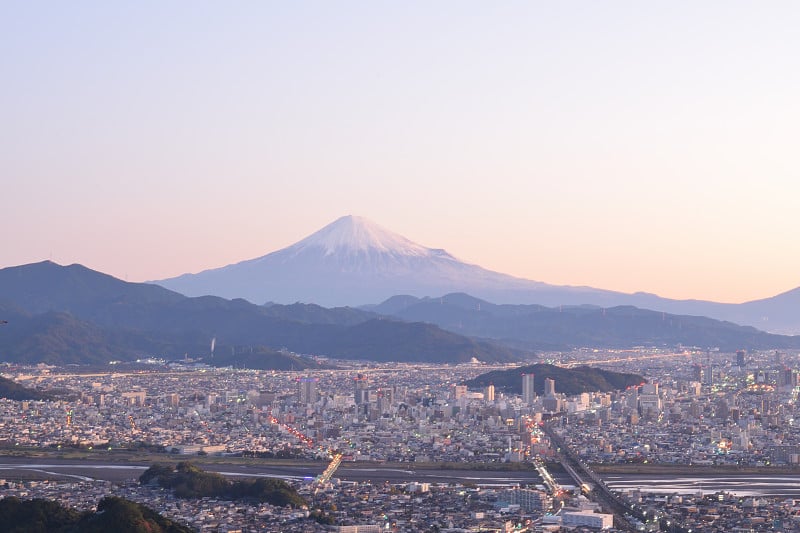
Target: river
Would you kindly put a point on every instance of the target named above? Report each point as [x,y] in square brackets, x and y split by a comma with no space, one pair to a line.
[787,486]
[41,468]
[742,485]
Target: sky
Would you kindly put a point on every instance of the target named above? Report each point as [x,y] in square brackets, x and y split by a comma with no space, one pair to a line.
[631,146]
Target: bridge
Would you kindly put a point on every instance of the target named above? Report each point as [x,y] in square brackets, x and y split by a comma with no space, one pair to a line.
[326,475]
[597,491]
[551,484]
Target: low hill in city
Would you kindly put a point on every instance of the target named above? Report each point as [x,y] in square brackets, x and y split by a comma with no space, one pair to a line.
[188,481]
[71,314]
[568,327]
[113,514]
[12,390]
[569,381]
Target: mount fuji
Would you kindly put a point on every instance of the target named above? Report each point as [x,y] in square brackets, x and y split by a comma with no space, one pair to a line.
[354,261]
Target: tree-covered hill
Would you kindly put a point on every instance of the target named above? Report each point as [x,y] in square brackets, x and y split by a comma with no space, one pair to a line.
[14,391]
[569,381]
[188,481]
[113,514]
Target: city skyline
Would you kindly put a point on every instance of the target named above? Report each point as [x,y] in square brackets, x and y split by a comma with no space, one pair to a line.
[624,147]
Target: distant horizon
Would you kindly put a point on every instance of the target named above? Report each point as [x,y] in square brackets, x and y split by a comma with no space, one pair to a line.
[632,147]
[155,280]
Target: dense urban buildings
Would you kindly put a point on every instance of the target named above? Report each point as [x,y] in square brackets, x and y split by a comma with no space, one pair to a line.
[741,417]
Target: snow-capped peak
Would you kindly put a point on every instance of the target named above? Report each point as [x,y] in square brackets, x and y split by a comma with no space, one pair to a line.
[352,233]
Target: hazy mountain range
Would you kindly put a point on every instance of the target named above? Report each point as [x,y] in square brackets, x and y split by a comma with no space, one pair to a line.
[353,262]
[564,327]
[71,314]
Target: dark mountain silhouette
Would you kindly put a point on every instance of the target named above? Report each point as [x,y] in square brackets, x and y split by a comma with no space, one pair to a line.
[569,381]
[75,289]
[316,314]
[538,327]
[188,481]
[113,514]
[14,391]
[61,338]
[72,314]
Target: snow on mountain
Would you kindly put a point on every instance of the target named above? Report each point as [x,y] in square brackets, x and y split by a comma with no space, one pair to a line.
[351,261]
[354,261]
[357,234]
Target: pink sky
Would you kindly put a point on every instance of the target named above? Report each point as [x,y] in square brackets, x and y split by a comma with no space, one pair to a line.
[625,146]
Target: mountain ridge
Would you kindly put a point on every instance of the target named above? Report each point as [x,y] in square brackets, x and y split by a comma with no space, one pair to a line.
[355,262]
[73,314]
[569,327]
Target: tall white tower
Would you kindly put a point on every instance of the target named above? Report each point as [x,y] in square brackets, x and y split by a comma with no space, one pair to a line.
[528,391]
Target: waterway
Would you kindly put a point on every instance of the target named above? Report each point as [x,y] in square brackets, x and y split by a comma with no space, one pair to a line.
[13,468]
[786,486]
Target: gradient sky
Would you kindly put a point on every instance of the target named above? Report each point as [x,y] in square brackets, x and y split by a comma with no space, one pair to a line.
[631,146]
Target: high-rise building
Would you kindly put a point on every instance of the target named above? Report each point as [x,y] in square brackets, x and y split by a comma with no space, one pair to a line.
[385,399]
[173,400]
[528,499]
[551,403]
[740,358]
[650,388]
[134,397]
[528,390]
[458,391]
[361,391]
[632,397]
[710,373]
[307,390]
[488,393]
[549,387]
[697,372]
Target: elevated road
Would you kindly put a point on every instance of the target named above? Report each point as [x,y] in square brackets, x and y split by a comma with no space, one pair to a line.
[594,487]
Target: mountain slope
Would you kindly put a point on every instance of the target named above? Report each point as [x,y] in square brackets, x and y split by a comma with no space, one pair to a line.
[14,391]
[538,327]
[72,314]
[112,514]
[47,286]
[353,261]
[111,319]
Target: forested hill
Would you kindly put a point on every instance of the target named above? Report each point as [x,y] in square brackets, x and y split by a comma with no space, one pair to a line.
[113,514]
[74,315]
[188,481]
[14,391]
[569,381]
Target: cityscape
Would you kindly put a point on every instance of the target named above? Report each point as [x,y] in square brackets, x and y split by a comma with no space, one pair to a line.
[401,267]
[708,443]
